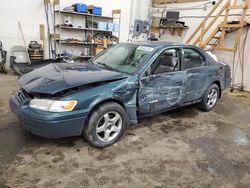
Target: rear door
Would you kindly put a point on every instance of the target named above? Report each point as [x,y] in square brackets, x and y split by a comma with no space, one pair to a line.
[163,85]
[198,72]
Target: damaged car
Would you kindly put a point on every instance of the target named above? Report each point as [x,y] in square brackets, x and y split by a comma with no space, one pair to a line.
[115,89]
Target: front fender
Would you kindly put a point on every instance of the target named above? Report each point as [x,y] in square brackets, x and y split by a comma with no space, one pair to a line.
[125,95]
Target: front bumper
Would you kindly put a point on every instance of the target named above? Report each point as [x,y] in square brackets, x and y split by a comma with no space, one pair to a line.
[48,124]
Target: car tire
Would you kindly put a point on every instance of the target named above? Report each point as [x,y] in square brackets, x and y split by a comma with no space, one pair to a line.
[210,98]
[106,125]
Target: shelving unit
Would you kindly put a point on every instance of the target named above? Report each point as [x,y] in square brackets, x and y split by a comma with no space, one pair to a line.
[79,28]
[84,14]
[172,29]
[78,43]
[78,31]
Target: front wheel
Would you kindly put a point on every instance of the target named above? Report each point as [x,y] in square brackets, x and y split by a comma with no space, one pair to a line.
[106,125]
[210,98]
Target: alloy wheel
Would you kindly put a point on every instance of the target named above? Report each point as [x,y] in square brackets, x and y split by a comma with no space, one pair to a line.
[109,126]
[212,98]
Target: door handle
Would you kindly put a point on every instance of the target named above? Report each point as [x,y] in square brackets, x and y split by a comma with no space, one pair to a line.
[179,82]
[154,101]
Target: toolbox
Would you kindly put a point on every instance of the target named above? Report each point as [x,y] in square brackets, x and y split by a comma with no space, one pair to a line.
[95,10]
[79,7]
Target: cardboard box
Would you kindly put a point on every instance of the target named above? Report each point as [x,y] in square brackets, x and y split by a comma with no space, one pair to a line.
[106,42]
[98,50]
[116,27]
[110,26]
[102,26]
[155,22]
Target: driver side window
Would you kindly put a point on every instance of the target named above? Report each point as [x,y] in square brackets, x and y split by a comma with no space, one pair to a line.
[167,61]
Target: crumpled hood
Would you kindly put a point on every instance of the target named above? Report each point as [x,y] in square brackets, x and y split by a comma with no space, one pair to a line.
[58,77]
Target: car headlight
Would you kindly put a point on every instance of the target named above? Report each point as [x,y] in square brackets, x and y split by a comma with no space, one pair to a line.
[52,105]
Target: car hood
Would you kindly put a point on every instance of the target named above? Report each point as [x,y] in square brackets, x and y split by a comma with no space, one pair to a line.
[58,77]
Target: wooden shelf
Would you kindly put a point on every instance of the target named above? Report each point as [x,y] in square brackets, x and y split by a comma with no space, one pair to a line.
[172,28]
[164,2]
[80,43]
[84,29]
[72,43]
[84,14]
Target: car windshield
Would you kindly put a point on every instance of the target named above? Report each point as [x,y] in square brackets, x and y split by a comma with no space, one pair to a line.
[123,58]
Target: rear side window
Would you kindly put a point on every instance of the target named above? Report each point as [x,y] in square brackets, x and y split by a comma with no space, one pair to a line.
[192,59]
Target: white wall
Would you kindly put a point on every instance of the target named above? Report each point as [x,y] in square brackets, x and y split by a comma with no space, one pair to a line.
[139,10]
[31,13]
[241,76]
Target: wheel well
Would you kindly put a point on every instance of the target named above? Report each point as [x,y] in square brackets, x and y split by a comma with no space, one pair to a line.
[96,106]
[219,85]
[107,101]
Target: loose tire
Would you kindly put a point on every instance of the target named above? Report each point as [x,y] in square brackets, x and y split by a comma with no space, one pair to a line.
[210,98]
[106,125]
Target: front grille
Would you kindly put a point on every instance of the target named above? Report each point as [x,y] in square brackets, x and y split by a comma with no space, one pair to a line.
[22,96]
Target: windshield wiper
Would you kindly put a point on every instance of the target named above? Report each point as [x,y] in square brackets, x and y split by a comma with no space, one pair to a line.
[105,65]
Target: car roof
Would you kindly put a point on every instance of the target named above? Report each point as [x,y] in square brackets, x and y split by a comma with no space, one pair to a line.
[156,43]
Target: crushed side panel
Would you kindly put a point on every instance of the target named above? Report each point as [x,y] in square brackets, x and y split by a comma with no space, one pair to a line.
[128,95]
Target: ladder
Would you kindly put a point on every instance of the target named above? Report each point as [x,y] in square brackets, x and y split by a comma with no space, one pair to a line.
[213,39]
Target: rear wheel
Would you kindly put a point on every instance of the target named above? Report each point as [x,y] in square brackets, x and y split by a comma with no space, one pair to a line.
[210,98]
[106,125]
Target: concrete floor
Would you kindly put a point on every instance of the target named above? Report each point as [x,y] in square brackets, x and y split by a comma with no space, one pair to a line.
[181,148]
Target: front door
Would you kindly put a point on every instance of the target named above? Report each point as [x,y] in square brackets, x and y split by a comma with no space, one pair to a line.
[164,86]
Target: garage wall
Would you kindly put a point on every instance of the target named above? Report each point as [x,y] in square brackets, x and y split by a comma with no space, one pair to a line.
[240,77]
[31,13]
[193,14]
